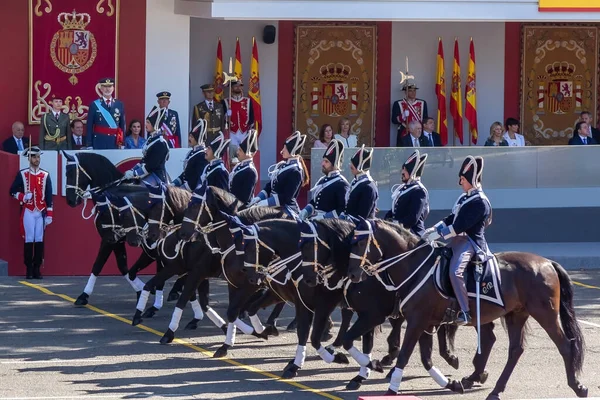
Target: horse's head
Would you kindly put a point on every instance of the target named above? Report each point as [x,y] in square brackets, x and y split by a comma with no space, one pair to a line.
[133,211]
[78,180]
[315,251]
[108,222]
[362,254]
[160,213]
[196,215]
[85,170]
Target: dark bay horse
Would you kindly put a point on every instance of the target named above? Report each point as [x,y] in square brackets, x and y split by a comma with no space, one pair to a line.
[532,286]
[325,247]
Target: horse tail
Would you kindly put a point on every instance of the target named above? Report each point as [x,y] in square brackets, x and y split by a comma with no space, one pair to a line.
[567,317]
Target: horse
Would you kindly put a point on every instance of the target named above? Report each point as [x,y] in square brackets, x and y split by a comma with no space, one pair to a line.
[531,285]
[325,248]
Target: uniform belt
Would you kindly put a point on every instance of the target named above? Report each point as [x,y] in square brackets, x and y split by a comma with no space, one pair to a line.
[105,130]
[214,129]
[58,140]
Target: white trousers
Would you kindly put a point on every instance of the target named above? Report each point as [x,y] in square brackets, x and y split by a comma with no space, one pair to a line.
[33,223]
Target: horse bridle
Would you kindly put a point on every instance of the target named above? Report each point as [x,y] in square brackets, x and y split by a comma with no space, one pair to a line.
[324,272]
[117,229]
[162,225]
[211,227]
[139,230]
[79,192]
[365,264]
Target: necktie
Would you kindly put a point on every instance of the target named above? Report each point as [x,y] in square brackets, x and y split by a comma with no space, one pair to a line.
[584,140]
[210,106]
[78,141]
[108,103]
[416,142]
[20,144]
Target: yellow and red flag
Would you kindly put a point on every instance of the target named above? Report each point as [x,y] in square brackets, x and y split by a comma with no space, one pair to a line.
[440,91]
[237,68]
[219,73]
[456,98]
[254,87]
[471,95]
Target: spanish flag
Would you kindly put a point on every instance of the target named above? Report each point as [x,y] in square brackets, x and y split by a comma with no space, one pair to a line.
[254,87]
[456,98]
[219,73]
[237,68]
[471,95]
[440,91]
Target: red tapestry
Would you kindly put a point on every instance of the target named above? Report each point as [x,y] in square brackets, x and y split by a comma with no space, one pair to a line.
[72,45]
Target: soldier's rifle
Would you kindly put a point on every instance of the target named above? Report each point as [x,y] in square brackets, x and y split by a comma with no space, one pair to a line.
[229,78]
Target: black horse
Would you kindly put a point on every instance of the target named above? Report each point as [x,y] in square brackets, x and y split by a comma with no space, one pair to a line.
[531,285]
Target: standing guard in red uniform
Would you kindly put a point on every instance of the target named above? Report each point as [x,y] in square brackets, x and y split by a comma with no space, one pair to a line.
[241,116]
[32,187]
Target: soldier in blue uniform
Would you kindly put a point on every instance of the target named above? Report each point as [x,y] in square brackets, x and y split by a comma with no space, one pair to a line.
[465,227]
[195,160]
[286,177]
[410,201]
[363,195]
[243,177]
[165,119]
[151,169]
[106,119]
[215,174]
[328,196]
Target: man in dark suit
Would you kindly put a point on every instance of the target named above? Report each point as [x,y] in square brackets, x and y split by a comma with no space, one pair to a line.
[78,138]
[586,117]
[16,143]
[106,119]
[415,137]
[581,135]
[55,128]
[429,136]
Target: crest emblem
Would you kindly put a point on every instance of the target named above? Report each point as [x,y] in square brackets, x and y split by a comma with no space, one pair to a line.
[335,100]
[560,87]
[73,48]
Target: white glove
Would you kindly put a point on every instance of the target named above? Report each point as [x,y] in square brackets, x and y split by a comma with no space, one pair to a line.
[406,113]
[303,214]
[319,216]
[254,201]
[129,174]
[48,220]
[229,113]
[433,236]
[28,196]
[428,232]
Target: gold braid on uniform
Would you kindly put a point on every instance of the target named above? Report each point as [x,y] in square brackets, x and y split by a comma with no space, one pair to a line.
[48,134]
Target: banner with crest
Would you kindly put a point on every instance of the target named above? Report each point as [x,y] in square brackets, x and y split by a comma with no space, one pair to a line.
[335,78]
[558,81]
[72,45]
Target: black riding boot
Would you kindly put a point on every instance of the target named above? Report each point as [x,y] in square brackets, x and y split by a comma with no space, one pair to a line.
[38,258]
[28,259]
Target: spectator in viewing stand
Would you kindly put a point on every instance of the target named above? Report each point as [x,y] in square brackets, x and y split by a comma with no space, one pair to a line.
[496,135]
[586,117]
[16,143]
[78,138]
[581,135]
[431,138]
[344,135]
[134,140]
[511,135]
[325,136]
[415,137]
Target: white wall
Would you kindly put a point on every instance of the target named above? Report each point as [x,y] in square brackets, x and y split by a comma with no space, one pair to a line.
[204,34]
[167,51]
[419,41]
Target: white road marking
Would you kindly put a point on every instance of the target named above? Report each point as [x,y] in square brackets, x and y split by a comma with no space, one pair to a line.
[61,397]
[50,362]
[589,323]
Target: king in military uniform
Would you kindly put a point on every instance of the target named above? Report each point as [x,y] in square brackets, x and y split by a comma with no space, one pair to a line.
[166,120]
[55,127]
[409,109]
[243,177]
[106,119]
[211,111]
[32,187]
[363,195]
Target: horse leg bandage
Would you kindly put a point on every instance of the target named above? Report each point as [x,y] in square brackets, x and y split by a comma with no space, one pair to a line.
[396,379]
[362,359]
[258,326]
[143,300]
[230,339]
[300,356]
[175,319]
[89,287]
[247,329]
[198,314]
[214,317]
[136,284]
[365,371]
[325,355]
[438,377]
[158,299]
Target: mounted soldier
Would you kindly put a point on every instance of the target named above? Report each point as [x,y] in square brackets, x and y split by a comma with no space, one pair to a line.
[362,198]
[151,169]
[195,160]
[328,196]
[243,177]
[215,174]
[471,214]
[410,200]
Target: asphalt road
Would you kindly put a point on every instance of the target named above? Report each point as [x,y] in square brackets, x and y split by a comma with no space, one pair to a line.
[51,350]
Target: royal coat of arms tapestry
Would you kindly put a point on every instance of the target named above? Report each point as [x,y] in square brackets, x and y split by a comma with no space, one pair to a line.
[335,78]
[72,45]
[558,81]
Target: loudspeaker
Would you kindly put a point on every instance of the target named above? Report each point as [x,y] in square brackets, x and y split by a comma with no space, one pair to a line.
[269,34]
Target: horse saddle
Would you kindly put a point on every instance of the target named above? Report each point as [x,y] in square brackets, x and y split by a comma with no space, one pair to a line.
[490,281]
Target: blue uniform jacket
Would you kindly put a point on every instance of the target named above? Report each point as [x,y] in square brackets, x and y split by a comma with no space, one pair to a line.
[362,199]
[170,118]
[193,166]
[470,215]
[155,154]
[99,140]
[284,186]
[242,181]
[410,207]
[215,174]
[328,196]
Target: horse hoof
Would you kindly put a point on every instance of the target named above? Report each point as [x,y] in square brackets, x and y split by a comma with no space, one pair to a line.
[390,392]
[375,365]
[167,337]
[467,383]
[340,358]
[173,296]
[483,377]
[221,351]
[493,396]
[263,335]
[224,328]
[192,325]
[290,371]
[149,313]
[453,362]
[292,326]
[581,391]
[387,360]
[137,318]
[82,300]
[456,386]
[355,383]
[271,330]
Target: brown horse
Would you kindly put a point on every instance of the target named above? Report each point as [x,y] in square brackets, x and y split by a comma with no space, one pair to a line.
[532,286]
